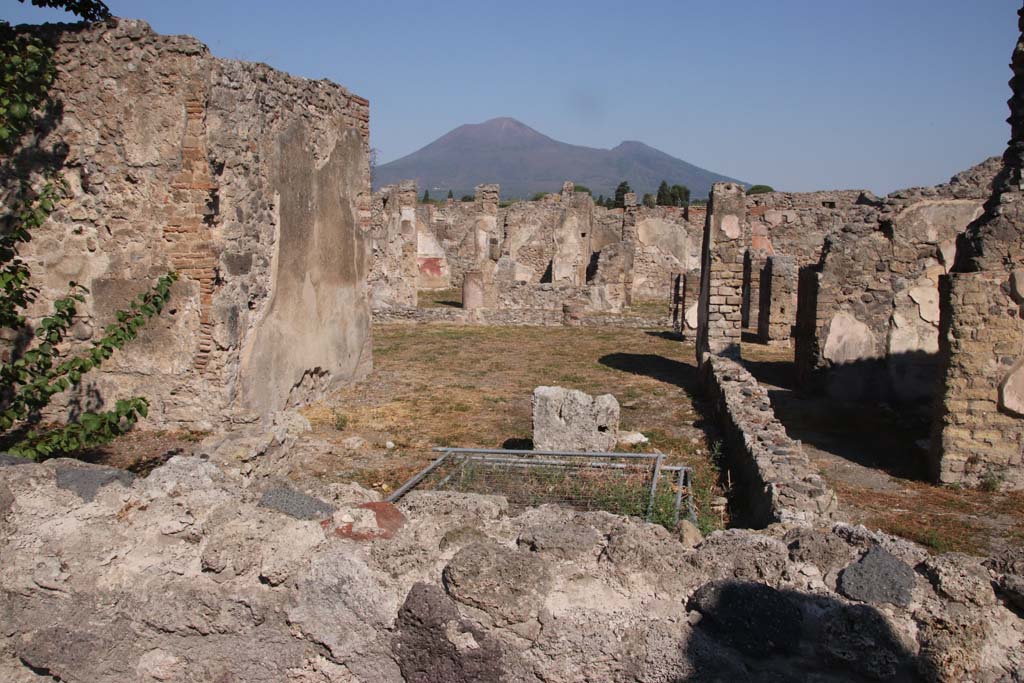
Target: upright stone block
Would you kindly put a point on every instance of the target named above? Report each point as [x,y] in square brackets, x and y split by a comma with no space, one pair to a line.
[473,290]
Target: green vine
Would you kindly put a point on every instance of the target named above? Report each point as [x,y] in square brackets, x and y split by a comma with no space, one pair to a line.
[32,377]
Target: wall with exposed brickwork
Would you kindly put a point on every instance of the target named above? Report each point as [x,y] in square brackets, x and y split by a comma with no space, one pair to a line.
[252,184]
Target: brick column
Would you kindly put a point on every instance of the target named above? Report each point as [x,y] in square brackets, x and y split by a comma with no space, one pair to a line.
[191,216]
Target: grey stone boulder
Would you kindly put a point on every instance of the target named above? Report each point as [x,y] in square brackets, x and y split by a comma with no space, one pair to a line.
[570,420]
[878,577]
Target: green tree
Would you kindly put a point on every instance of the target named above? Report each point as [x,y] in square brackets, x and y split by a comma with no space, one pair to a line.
[600,200]
[466,198]
[426,196]
[648,200]
[664,195]
[89,10]
[620,194]
[450,195]
[584,189]
[680,195]
[760,189]
[31,376]
[537,196]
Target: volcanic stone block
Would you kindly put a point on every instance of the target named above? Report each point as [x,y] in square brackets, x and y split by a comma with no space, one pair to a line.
[570,420]
[878,577]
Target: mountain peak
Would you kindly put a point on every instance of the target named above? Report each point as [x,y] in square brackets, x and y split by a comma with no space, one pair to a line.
[524,161]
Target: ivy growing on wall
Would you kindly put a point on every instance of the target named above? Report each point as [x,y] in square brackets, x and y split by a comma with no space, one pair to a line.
[31,376]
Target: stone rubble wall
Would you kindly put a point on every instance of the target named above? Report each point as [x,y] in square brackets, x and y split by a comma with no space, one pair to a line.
[252,184]
[778,483]
[869,330]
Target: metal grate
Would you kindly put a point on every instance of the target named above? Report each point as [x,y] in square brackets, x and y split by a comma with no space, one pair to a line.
[633,484]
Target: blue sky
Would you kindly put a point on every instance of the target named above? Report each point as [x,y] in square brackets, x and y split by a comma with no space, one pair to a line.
[799,94]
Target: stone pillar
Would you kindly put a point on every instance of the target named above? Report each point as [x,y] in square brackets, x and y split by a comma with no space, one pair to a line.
[978,432]
[753,264]
[777,310]
[629,240]
[473,290]
[409,268]
[719,319]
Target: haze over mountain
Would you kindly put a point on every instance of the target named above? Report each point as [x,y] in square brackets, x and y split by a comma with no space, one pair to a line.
[524,162]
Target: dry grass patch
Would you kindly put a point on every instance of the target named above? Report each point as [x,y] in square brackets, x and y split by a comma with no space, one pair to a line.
[449,385]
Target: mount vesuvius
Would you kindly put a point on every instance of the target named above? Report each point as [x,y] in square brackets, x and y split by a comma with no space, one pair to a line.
[525,162]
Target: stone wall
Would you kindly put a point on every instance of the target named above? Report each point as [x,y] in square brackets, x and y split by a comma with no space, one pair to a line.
[250,183]
[595,257]
[978,433]
[394,246]
[869,329]
[777,482]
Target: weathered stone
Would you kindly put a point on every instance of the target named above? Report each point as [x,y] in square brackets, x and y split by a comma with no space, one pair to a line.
[960,577]
[570,420]
[876,578]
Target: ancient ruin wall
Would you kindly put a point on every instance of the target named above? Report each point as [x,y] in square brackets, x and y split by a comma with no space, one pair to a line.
[777,482]
[252,184]
[978,433]
[869,329]
[394,247]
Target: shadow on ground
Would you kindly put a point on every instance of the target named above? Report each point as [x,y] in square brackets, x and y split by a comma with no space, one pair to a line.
[656,367]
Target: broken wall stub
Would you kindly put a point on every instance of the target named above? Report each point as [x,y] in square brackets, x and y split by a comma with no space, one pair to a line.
[719,318]
[978,432]
[666,243]
[252,184]
[394,246]
[778,292]
[869,329]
